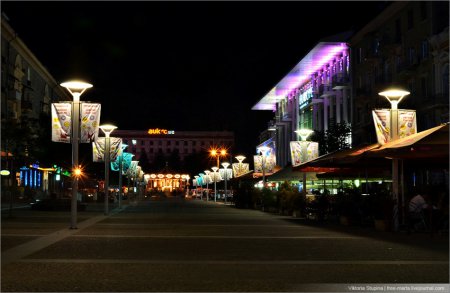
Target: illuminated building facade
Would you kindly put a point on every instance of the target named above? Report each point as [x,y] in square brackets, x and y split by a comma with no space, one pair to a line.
[406,45]
[315,94]
[27,91]
[162,141]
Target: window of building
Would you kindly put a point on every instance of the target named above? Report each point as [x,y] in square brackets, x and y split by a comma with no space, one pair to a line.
[185,143]
[411,55]
[177,143]
[160,142]
[424,49]
[151,142]
[424,86]
[151,151]
[169,142]
[445,81]
[359,55]
[410,19]
[398,30]
[423,10]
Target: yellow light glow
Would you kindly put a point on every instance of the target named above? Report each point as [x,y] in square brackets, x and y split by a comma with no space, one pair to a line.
[223,152]
[107,128]
[77,172]
[394,93]
[76,85]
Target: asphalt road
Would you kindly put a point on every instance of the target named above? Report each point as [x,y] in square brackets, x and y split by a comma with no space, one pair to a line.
[176,245]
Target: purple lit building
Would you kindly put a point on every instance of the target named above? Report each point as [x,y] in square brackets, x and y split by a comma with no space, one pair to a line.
[314,94]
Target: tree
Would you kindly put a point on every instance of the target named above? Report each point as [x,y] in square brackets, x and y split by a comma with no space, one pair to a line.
[335,138]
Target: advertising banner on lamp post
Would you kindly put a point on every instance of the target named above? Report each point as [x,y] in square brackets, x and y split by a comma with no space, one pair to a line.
[240,169]
[407,124]
[269,164]
[98,149]
[382,121]
[90,120]
[61,122]
[298,148]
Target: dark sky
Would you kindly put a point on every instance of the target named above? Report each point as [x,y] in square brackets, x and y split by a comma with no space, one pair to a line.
[181,65]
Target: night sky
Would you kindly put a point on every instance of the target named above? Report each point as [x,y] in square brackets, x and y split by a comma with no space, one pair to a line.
[181,65]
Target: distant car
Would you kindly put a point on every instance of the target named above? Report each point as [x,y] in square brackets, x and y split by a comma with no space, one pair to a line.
[56,204]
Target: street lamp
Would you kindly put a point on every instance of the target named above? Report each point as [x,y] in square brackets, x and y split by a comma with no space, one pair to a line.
[215,179]
[107,129]
[225,166]
[207,184]
[304,133]
[394,96]
[124,146]
[263,150]
[76,88]
[217,153]
[240,159]
[195,180]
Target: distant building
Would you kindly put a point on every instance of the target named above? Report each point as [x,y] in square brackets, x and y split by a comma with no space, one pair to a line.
[161,141]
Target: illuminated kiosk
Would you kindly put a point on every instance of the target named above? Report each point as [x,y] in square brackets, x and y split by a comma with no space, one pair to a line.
[167,180]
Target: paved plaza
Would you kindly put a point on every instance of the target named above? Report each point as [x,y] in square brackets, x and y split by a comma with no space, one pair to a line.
[177,245]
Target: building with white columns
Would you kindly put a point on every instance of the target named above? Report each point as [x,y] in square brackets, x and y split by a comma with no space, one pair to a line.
[315,94]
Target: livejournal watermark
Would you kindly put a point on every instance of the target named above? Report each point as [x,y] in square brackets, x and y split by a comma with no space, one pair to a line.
[398,288]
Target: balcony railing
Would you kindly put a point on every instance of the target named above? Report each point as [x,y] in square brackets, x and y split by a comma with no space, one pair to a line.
[340,80]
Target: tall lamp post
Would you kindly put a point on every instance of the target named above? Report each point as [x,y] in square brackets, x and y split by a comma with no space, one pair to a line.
[217,153]
[215,179]
[225,167]
[239,168]
[76,88]
[195,180]
[124,146]
[207,184]
[263,150]
[304,133]
[394,96]
[107,129]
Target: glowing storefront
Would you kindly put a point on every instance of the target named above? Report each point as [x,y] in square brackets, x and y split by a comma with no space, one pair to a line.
[167,182]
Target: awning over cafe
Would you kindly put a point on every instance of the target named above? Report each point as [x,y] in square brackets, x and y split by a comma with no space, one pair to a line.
[332,162]
[288,174]
[430,143]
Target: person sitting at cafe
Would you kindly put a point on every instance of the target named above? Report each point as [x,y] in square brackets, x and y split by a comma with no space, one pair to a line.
[416,206]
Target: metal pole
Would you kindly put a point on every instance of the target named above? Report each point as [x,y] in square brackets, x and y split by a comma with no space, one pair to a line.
[225,169]
[215,189]
[303,146]
[395,194]
[120,179]
[264,170]
[106,154]
[75,142]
